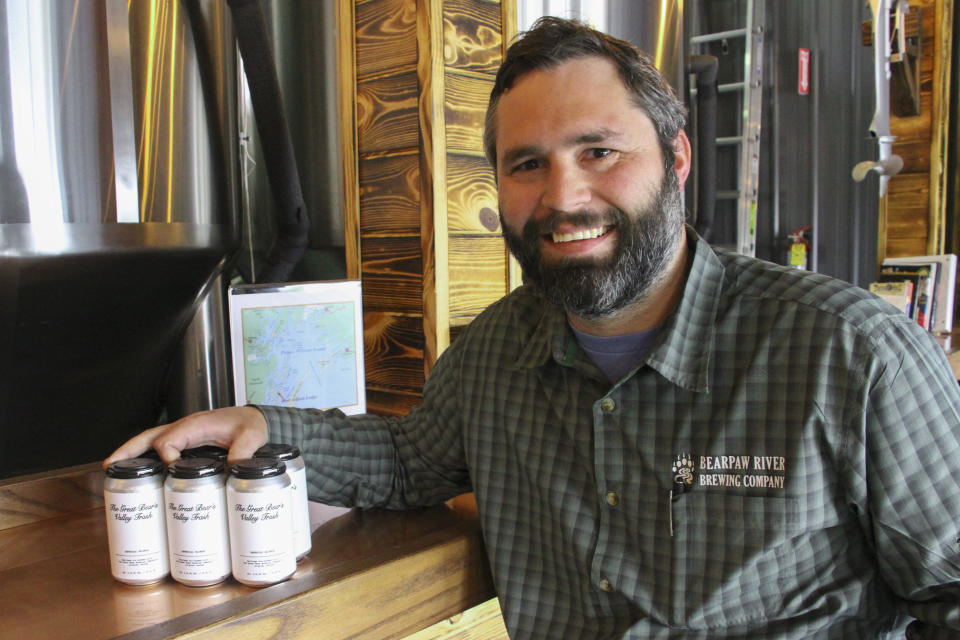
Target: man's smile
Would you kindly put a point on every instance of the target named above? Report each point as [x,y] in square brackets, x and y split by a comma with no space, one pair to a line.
[580,234]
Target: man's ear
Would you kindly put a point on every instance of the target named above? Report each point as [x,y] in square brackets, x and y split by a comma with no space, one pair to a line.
[681,157]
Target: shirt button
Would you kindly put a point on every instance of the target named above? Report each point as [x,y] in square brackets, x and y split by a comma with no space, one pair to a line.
[613,499]
[608,404]
[605,585]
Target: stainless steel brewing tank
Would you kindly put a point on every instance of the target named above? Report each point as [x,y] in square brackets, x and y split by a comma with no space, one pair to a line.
[118,175]
[657,28]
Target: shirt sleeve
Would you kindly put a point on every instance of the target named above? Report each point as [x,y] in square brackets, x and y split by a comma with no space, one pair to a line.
[911,464]
[376,461]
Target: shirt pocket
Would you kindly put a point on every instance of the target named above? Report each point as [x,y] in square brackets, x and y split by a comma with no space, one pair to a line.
[728,557]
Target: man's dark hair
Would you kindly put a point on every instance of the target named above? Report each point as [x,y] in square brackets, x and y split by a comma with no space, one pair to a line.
[553,41]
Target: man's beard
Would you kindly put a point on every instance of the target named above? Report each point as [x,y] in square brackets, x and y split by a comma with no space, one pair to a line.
[588,288]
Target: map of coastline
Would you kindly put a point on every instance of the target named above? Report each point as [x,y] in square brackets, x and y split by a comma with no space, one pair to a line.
[300,356]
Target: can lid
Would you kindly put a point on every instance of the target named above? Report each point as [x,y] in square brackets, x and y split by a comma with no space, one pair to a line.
[277,450]
[134,468]
[256,468]
[195,468]
[205,451]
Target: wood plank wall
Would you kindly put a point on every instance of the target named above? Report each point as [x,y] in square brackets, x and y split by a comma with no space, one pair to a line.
[423,231]
[913,214]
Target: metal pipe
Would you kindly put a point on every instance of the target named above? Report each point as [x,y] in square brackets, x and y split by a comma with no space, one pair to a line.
[815,141]
[293,223]
[719,35]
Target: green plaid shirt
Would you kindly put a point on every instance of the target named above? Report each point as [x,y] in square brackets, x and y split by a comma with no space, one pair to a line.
[785,464]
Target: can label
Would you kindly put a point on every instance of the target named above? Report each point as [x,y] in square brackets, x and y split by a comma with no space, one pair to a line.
[137,535]
[197,534]
[301,511]
[261,535]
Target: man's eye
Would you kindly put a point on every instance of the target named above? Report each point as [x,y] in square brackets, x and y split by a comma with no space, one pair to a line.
[600,153]
[528,165]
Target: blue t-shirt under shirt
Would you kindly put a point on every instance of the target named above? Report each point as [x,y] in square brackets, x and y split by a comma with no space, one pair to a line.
[615,356]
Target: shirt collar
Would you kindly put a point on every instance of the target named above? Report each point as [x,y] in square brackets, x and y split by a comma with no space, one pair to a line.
[683,351]
[551,337]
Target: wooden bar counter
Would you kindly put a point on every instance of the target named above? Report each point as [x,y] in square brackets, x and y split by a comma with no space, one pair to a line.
[370,574]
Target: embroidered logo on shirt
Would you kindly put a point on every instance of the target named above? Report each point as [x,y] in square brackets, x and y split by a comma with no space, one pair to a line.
[764,472]
[683,470]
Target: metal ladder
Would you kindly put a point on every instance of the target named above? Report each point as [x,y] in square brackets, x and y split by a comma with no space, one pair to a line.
[748,137]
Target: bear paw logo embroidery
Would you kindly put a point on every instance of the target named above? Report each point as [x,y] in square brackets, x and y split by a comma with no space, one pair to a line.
[683,470]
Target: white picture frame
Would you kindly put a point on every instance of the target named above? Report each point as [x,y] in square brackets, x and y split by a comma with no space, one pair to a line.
[298,345]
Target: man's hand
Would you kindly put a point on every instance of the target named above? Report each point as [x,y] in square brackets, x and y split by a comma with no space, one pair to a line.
[242,430]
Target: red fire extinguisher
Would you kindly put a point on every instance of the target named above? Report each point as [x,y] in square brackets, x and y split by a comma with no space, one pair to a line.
[799,247]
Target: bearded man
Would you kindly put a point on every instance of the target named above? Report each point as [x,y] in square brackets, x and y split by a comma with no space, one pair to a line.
[664,440]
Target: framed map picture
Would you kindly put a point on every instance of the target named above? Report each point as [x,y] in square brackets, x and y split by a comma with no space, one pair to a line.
[298,345]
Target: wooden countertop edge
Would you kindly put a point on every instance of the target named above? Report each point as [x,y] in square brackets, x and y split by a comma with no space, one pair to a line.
[404,586]
[388,600]
[50,494]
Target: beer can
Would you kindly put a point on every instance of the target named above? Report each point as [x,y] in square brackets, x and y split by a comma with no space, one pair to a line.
[206,451]
[260,522]
[297,472]
[197,538]
[136,532]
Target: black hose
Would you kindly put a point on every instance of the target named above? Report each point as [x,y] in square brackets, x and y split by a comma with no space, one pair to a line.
[705,67]
[258,63]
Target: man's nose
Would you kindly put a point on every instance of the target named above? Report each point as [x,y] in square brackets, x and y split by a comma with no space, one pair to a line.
[566,188]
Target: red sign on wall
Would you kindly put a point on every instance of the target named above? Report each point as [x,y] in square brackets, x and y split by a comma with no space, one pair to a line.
[803,72]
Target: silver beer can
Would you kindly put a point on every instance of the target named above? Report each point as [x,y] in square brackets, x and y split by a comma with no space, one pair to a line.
[206,451]
[196,500]
[260,522]
[297,472]
[136,532]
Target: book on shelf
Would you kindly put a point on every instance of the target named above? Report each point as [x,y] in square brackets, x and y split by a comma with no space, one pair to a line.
[899,293]
[924,277]
[944,288]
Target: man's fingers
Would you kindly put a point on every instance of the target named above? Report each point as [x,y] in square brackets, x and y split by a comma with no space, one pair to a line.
[167,452]
[241,429]
[251,437]
[134,446]
[245,445]
[168,440]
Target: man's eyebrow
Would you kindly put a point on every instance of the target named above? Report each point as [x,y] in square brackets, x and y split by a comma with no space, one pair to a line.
[512,155]
[604,134]
[600,135]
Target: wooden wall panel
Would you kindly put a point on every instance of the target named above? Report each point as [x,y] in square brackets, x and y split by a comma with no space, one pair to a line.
[465,107]
[393,345]
[390,194]
[472,40]
[471,196]
[912,217]
[477,256]
[900,246]
[914,131]
[392,274]
[909,194]
[386,35]
[387,113]
[425,214]
[915,154]
[478,275]
[907,209]
[389,402]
